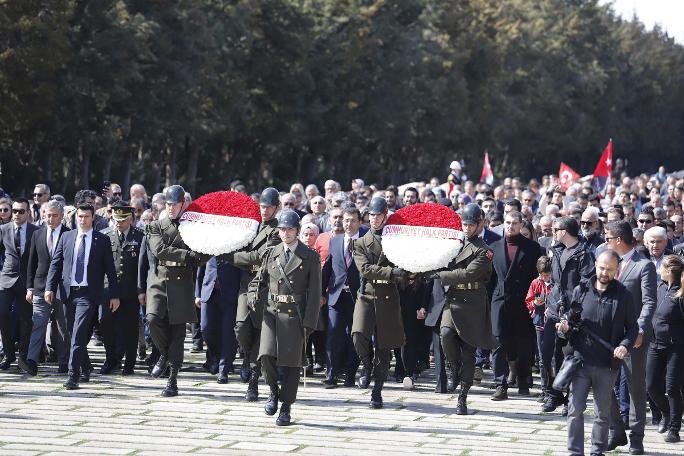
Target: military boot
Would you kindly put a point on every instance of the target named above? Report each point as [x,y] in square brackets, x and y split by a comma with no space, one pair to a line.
[172,384]
[461,407]
[253,387]
[271,406]
[364,375]
[376,395]
[452,378]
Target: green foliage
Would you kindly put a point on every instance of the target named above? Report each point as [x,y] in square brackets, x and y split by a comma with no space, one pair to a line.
[275,91]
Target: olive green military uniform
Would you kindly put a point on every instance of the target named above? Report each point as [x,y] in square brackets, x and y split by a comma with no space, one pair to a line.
[292,307]
[377,311]
[124,322]
[466,319]
[170,290]
[248,318]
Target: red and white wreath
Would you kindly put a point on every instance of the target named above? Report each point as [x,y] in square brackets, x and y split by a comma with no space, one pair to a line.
[423,237]
[220,222]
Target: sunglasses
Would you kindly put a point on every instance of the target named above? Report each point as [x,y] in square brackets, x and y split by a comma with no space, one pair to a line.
[19,211]
[586,222]
[39,195]
[609,238]
[644,221]
[555,230]
[116,193]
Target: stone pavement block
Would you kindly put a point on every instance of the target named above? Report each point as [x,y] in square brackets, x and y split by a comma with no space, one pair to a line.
[4,452]
[66,448]
[125,438]
[270,447]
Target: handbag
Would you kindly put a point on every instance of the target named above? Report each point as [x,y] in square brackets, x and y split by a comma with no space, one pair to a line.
[571,363]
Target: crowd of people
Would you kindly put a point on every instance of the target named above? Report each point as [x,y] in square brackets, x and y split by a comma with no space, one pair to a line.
[583,286]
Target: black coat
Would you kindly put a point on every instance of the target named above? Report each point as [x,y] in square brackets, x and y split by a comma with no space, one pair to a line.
[566,277]
[509,312]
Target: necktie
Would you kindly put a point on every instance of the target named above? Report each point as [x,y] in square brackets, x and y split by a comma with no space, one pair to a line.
[17,240]
[49,240]
[288,254]
[348,253]
[80,260]
[122,238]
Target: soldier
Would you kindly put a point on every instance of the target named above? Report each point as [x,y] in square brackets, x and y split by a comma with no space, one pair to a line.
[248,319]
[120,329]
[466,320]
[291,273]
[170,290]
[377,314]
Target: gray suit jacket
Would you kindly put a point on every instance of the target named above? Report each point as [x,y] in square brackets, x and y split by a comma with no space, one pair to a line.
[14,267]
[639,277]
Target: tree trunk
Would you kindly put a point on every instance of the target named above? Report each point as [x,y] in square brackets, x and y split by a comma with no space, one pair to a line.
[84,153]
[126,183]
[191,172]
[170,172]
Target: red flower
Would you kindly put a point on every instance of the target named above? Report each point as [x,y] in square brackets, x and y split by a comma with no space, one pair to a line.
[426,214]
[228,204]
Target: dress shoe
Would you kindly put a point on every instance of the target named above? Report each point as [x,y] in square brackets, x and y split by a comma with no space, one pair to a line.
[171,389]
[127,370]
[108,367]
[664,425]
[330,383]
[271,405]
[501,393]
[63,369]
[160,367]
[244,371]
[551,404]
[672,436]
[28,366]
[636,448]
[284,416]
[616,440]
[222,378]
[376,399]
[7,362]
[71,383]
[349,379]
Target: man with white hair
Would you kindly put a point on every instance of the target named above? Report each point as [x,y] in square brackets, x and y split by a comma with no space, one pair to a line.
[589,224]
[655,240]
[138,191]
[331,187]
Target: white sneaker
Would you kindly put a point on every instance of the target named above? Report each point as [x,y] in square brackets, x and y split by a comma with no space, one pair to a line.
[408,383]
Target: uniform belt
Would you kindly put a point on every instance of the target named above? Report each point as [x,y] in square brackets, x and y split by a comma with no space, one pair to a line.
[467,286]
[380,281]
[255,268]
[79,288]
[285,298]
[172,264]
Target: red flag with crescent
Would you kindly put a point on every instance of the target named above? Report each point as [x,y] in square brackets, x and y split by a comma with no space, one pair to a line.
[567,176]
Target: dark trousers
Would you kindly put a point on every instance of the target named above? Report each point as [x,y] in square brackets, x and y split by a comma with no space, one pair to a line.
[248,337]
[315,347]
[167,338]
[551,352]
[84,312]
[410,351]
[120,331]
[634,367]
[665,374]
[339,345]
[17,295]
[380,361]
[519,346]
[289,382]
[440,369]
[217,323]
[197,340]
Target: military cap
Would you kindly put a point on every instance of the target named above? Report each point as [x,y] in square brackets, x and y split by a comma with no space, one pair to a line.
[121,210]
[288,219]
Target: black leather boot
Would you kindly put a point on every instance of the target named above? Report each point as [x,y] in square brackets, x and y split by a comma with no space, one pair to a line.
[452,378]
[284,415]
[364,375]
[376,396]
[253,387]
[160,367]
[461,407]
[172,383]
[271,405]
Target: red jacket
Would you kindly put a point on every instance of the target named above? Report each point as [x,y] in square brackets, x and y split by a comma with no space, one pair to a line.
[538,286]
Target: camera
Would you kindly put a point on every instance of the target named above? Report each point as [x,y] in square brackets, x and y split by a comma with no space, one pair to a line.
[574,318]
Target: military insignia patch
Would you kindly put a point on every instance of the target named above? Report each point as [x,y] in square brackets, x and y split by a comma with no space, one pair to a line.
[490,254]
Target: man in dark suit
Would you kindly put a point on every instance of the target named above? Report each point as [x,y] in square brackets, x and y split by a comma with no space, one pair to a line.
[515,259]
[638,275]
[120,329]
[216,290]
[82,260]
[340,286]
[15,242]
[43,245]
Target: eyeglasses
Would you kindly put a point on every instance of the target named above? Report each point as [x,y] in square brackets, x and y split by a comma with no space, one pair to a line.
[555,230]
[19,211]
[288,204]
[610,238]
[586,222]
[645,221]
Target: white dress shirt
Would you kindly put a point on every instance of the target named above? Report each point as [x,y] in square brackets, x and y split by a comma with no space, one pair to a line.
[22,236]
[88,243]
[55,237]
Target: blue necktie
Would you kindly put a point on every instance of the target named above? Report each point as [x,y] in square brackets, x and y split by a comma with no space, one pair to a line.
[80,260]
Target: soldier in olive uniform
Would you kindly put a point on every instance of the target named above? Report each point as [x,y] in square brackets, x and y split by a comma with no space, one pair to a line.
[466,319]
[291,274]
[120,329]
[377,313]
[170,289]
[248,319]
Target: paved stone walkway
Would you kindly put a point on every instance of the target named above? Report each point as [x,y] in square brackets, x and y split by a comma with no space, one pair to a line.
[126,416]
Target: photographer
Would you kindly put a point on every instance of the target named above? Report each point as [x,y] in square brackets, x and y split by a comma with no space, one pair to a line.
[601,314]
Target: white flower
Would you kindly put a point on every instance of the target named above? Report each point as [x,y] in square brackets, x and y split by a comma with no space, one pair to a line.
[216,239]
[420,254]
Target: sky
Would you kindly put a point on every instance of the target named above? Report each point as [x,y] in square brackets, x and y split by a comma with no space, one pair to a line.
[669,14]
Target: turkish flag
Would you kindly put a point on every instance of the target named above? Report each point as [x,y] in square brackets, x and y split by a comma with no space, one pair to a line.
[604,167]
[487,174]
[567,176]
